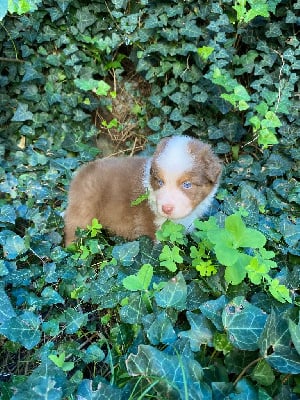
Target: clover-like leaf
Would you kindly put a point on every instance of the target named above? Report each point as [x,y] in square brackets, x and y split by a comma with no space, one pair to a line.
[141,280]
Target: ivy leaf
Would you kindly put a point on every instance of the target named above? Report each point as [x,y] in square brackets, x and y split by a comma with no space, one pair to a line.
[295,333]
[125,253]
[104,390]
[7,214]
[93,354]
[134,309]
[213,309]
[200,332]
[74,320]
[6,311]
[275,345]
[263,374]
[161,330]
[23,329]
[244,323]
[174,294]
[13,245]
[85,18]
[182,372]
[22,114]
[141,281]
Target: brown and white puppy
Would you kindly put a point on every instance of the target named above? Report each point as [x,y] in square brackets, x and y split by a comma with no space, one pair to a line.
[181,178]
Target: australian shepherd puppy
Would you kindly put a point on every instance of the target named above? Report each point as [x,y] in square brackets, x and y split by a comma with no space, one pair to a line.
[181,179]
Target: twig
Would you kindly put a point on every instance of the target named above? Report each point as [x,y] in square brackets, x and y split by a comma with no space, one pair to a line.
[246,369]
[11,60]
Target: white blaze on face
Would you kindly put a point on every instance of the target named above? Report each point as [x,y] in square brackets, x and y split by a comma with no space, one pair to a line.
[174,161]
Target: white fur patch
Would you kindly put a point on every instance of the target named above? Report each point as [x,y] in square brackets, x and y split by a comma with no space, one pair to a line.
[174,161]
[175,157]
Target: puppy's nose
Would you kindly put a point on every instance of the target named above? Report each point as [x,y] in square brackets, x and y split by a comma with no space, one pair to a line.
[167,209]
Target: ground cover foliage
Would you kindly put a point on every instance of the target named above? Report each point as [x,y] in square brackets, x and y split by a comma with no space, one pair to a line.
[211,316]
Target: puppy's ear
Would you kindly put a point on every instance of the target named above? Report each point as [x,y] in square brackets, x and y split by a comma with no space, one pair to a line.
[213,166]
[210,164]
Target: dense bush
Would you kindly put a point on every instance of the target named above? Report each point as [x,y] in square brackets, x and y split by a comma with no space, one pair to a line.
[211,316]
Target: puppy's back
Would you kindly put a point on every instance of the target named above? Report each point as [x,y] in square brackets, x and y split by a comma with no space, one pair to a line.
[104,189]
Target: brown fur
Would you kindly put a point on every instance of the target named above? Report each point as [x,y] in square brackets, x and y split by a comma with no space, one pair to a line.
[104,189]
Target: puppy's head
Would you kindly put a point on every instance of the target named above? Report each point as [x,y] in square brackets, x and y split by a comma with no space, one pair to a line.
[183,173]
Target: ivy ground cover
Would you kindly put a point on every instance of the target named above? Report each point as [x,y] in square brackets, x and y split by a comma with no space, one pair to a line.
[211,316]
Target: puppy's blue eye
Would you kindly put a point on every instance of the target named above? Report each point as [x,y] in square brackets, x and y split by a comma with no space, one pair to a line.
[160,182]
[187,185]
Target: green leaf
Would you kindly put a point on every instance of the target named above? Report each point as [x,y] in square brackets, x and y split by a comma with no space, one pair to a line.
[275,345]
[22,114]
[59,361]
[295,334]
[134,310]
[280,292]
[204,52]
[242,236]
[176,373]
[161,330]
[74,320]
[125,253]
[213,309]
[105,390]
[243,323]
[174,294]
[263,374]
[93,354]
[23,329]
[6,311]
[13,245]
[200,332]
[170,257]
[141,281]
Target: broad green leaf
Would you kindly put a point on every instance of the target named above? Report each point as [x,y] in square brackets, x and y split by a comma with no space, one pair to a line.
[23,329]
[22,114]
[59,361]
[6,311]
[256,271]
[280,292]
[275,345]
[200,332]
[295,333]
[104,390]
[177,374]
[213,309]
[263,374]
[161,330]
[140,281]
[74,320]
[125,253]
[243,323]
[134,310]
[173,294]
[204,52]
